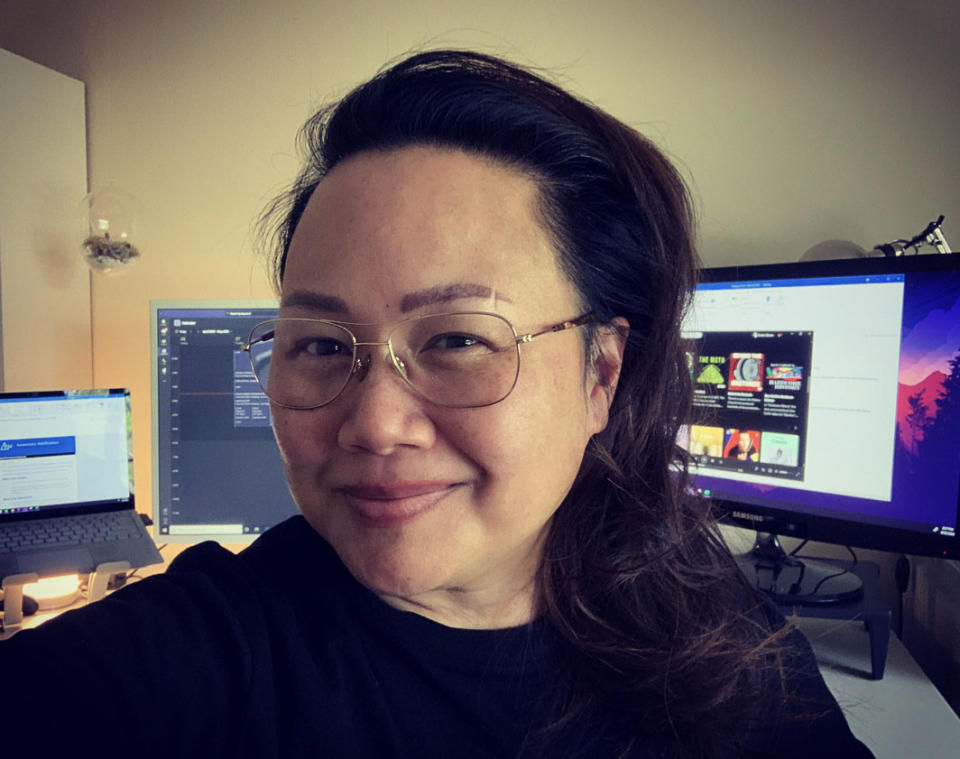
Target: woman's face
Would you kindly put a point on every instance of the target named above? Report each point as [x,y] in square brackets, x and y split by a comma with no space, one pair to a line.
[437,509]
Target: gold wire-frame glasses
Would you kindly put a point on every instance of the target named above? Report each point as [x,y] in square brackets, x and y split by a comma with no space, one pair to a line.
[464,359]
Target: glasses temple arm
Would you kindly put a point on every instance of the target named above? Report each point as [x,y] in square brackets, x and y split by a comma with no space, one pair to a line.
[261,339]
[569,324]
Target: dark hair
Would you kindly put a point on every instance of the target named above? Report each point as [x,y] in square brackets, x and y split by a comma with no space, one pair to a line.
[662,633]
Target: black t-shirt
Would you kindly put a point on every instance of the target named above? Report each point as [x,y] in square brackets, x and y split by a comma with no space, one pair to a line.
[279,652]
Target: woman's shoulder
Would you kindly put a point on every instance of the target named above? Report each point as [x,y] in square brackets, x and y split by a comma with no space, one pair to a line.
[288,554]
[799,716]
[282,548]
[203,643]
[206,591]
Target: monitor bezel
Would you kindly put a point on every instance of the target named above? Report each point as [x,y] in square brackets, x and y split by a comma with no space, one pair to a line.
[819,527]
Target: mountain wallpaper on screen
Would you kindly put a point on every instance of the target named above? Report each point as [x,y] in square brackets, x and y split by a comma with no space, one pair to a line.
[928,401]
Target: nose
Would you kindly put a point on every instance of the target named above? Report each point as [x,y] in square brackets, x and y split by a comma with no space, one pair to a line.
[382,413]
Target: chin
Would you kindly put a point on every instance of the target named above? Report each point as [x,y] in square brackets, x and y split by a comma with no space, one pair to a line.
[391,562]
[396,572]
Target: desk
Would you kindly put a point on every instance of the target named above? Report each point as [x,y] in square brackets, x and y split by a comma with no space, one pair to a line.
[903,715]
[39,618]
[35,620]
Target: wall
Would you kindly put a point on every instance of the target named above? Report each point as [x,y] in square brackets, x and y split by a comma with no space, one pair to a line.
[44,283]
[795,122]
[932,624]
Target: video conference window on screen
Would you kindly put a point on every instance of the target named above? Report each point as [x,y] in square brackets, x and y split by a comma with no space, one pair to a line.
[796,388]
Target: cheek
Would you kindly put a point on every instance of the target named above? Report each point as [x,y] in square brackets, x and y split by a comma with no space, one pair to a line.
[536,437]
[283,431]
[300,436]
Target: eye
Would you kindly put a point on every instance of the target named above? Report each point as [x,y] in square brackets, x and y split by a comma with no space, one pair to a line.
[453,341]
[319,347]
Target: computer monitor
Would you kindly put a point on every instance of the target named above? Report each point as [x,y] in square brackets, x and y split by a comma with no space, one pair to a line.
[827,407]
[217,473]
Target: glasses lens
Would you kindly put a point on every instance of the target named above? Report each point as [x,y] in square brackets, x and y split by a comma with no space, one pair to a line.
[301,363]
[459,360]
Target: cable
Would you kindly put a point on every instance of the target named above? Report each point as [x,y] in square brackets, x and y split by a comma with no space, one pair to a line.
[813,592]
[902,577]
[800,545]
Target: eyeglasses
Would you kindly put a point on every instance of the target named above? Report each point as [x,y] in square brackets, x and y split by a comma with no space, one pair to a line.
[459,360]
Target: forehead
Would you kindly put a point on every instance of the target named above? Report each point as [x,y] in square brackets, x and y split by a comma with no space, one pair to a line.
[418,218]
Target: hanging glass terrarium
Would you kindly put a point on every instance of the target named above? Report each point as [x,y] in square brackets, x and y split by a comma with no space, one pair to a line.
[110,215]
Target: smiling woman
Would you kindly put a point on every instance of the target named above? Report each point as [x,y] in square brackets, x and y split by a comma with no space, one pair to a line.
[476,379]
[421,500]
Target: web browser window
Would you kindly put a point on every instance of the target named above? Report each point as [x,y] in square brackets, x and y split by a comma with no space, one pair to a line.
[62,450]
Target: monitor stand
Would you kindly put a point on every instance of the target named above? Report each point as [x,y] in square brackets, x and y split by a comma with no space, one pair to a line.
[788,580]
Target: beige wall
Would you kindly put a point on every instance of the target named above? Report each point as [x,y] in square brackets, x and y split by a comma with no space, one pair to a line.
[44,283]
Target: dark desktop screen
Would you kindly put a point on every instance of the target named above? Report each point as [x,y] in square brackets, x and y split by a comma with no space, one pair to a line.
[835,395]
[217,468]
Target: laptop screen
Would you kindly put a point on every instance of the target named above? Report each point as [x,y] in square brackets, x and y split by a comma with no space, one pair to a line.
[64,449]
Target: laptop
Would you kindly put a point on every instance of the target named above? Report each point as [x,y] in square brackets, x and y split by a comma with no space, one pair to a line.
[66,484]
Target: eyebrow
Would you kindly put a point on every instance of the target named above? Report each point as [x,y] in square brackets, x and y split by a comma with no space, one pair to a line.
[444,293]
[409,302]
[314,301]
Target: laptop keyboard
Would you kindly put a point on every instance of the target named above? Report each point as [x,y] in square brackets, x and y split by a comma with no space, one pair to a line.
[64,531]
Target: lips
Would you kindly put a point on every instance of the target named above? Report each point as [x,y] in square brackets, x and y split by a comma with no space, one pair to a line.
[383,505]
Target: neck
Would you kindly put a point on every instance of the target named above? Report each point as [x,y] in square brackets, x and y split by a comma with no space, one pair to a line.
[477,609]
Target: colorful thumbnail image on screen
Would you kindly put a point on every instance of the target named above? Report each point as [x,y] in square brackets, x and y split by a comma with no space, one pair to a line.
[750,402]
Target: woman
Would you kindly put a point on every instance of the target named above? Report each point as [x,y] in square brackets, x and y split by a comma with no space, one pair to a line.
[477,380]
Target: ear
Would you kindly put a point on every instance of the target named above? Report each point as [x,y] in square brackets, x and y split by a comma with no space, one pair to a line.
[606,359]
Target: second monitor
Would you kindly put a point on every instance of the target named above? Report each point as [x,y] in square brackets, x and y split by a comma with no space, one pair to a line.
[217,472]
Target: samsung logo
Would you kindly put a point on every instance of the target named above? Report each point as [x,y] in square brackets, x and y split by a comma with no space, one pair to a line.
[747,516]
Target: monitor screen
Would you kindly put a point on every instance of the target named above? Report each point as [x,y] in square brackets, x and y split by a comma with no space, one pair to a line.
[217,473]
[827,399]
[64,451]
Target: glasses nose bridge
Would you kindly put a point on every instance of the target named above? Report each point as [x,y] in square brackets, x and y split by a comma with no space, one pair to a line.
[361,364]
[370,343]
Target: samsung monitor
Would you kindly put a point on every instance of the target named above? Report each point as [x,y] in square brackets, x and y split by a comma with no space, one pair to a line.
[217,472]
[827,407]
